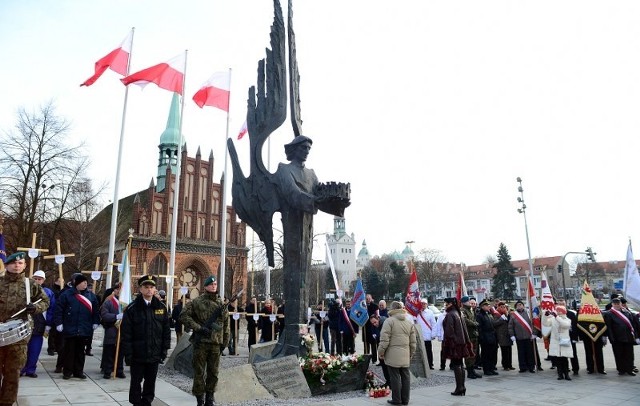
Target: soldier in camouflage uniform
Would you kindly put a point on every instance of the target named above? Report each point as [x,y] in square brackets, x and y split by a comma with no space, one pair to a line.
[469,317]
[13,298]
[208,341]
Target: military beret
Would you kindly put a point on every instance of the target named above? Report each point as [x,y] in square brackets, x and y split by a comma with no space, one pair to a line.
[15,257]
[147,279]
[209,280]
[464,299]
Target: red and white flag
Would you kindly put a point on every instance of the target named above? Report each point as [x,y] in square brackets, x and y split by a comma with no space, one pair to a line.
[412,303]
[531,293]
[215,92]
[167,75]
[461,290]
[243,130]
[116,60]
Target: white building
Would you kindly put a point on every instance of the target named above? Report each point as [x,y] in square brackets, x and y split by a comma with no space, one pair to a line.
[342,247]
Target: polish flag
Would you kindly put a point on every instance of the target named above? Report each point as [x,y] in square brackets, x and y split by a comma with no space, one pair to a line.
[215,92]
[116,60]
[167,75]
[461,289]
[243,130]
[531,292]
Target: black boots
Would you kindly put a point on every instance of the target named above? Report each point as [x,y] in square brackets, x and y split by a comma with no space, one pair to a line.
[209,399]
[471,373]
[200,400]
[460,389]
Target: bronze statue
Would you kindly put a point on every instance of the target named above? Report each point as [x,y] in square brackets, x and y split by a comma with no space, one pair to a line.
[293,190]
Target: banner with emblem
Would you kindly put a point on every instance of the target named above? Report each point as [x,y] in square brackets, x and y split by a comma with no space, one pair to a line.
[358,312]
[590,319]
[547,302]
[412,302]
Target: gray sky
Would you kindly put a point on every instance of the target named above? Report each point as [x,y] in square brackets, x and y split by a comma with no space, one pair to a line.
[430,109]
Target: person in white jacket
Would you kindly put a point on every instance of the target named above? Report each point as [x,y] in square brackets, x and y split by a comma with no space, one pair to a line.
[427,322]
[438,333]
[559,339]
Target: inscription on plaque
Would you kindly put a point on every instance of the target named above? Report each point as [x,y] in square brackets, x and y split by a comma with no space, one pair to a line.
[283,377]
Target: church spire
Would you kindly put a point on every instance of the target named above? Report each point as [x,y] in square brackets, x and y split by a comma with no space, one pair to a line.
[169,143]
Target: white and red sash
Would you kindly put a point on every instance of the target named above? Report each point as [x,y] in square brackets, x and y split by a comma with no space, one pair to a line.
[522,321]
[623,318]
[85,302]
[115,302]
[425,321]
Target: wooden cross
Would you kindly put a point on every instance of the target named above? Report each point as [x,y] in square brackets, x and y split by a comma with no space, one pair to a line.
[97,269]
[33,247]
[59,252]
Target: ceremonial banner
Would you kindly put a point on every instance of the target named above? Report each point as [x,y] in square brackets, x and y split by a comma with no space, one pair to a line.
[412,302]
[358,311]
[461,289]
[631,279]
[590,319]
[547,301]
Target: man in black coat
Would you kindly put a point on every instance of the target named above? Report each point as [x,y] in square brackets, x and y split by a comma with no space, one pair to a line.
[487,338]
[145,338]
[622,329]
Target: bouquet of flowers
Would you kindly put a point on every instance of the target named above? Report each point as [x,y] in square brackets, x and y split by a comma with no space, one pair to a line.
[321,367]
[308,341]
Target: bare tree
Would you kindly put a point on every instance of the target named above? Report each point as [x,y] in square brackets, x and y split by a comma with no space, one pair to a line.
[43,180]
[429,272]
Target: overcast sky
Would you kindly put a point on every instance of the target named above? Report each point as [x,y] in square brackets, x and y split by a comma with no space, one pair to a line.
[431,109]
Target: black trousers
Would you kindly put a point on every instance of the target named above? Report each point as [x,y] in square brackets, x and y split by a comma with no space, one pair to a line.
[108,359]
[372,348]
[505,351]
[489,357]
[143,395]
[623,354]
[593,349]
[400,384]
[575,366]
[429,348]
[73,355]
[525,355]
[252,336]
[348,343]
[336,341]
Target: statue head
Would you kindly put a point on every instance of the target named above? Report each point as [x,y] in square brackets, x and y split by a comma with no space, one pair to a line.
[298,142]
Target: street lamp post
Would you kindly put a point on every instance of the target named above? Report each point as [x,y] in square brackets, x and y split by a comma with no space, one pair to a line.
[522,209]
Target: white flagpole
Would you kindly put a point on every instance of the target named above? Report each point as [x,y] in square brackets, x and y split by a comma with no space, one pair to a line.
[223,237]
[176,192]
[116,187]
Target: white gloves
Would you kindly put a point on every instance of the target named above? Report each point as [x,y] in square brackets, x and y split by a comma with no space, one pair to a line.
[503,317]
[47,329]
[638,341]
[533,336]
[119,316]
[604,340]
[513,339]
[95,326]
[59,328]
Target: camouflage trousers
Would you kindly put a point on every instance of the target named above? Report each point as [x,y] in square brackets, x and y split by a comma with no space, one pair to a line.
[12,359]
[206,360]
[470,361]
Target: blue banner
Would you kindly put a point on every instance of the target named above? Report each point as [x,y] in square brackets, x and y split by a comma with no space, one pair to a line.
[3,251]
[358,312]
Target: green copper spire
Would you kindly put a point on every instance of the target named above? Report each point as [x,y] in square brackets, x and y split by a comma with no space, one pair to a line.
[169,142]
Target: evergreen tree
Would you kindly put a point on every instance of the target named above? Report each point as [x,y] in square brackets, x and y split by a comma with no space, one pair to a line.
[504,283]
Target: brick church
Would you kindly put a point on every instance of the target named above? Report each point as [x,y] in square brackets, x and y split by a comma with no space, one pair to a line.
[149,213]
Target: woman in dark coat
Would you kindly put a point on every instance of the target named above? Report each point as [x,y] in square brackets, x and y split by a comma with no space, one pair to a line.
[455,344]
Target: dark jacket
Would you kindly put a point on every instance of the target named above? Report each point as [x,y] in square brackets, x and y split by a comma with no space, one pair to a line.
[573,333]
[502,331]
[109,313]
[334,315]
[455,336]
[175,316]
[345,321]
[618,330]
[486,328]
[75,317]
[145,334]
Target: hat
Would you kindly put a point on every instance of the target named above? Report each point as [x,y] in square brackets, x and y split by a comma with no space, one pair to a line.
[39,274]
[485,302]
[147,279]
[622,299]
[78,279]
[615,295]
[520,302]
[615,300]
[451,300]
[162,293]
[209,280]
[465,299]
[15,257]
[425,301]
[561,309]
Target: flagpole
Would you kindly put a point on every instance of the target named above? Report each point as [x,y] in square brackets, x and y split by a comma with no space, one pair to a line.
[176,192]
[223,237]
[116,187]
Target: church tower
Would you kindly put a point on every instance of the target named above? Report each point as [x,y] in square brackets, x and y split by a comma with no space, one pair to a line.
[169,144]
[342,248]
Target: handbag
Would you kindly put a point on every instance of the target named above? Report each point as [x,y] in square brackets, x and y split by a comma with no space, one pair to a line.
[565,342]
